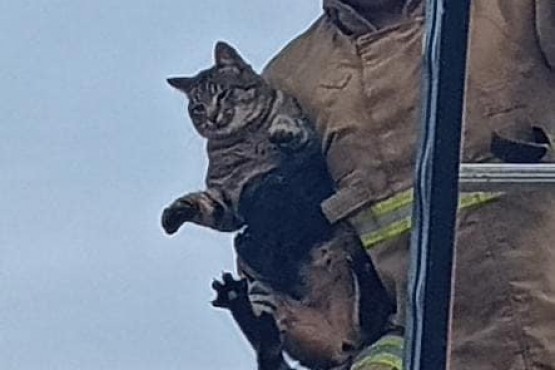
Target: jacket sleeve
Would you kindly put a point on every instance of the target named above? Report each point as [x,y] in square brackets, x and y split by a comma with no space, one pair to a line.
[545,29]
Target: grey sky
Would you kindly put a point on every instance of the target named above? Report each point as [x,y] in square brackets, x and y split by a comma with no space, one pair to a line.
[93,146]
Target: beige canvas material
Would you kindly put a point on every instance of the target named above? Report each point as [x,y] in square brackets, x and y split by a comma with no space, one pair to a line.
[361,85]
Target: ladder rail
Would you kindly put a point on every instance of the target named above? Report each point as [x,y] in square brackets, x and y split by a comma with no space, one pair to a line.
[505,177]
[436,185]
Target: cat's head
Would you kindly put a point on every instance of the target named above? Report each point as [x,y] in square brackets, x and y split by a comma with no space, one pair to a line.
[225,98]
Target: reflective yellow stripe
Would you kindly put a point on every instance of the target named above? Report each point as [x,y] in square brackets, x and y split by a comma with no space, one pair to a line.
[384,359]
[389,232]
[390,340]
[392,204]
[388,351]
[475,199]
[401,202]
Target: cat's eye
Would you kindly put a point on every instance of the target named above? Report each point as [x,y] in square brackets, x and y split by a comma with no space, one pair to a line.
[244,94]
[198,110]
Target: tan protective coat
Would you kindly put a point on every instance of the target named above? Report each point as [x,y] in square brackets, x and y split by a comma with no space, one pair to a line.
[362,86]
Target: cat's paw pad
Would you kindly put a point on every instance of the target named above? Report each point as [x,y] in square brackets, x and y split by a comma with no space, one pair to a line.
[228,290]
[180,211]
[282,134]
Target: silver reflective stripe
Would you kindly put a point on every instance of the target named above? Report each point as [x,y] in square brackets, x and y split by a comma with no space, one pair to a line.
[506,177]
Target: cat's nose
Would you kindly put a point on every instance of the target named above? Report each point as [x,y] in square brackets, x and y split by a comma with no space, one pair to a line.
[212,114]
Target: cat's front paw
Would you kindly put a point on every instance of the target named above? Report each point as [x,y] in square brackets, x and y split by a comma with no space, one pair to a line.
[287,133]
[180,211]
[228,291]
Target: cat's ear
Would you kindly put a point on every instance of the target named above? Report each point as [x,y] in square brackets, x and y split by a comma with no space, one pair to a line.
[183,84]
[226,56]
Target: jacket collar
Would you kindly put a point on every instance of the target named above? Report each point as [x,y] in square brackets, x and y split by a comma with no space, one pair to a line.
[352,23]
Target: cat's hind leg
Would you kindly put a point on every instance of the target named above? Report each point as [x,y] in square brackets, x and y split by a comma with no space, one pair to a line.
[260,330]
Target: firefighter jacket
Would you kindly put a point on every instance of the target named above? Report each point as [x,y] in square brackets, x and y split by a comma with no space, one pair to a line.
[361,85]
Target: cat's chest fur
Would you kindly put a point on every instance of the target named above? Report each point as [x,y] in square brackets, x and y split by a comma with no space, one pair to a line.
[235,161]
[246,159]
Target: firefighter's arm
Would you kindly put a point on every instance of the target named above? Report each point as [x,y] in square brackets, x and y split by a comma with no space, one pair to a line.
[545,29]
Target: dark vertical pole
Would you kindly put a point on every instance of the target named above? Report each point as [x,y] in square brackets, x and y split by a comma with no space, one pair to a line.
[436,186]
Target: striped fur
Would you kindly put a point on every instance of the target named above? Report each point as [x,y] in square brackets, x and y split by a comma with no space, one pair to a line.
[266,172]
[251,129]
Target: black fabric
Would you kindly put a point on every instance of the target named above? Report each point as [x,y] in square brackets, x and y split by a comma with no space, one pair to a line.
[520,151]
[284,218]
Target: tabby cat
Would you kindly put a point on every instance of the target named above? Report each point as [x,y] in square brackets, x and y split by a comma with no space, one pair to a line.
[266,173]
[252,130]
